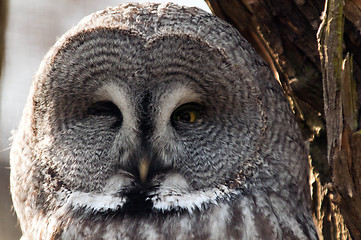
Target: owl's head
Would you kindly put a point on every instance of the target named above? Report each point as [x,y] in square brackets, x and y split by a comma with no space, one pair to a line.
[152,108]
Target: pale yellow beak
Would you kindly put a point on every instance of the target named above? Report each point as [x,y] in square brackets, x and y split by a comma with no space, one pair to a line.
[143,168]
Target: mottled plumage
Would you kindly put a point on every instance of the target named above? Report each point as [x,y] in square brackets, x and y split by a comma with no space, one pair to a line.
[155,121]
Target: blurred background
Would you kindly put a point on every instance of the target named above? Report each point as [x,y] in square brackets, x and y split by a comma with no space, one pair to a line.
[32,28]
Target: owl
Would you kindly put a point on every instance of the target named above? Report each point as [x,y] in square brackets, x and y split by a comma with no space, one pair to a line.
[157,121]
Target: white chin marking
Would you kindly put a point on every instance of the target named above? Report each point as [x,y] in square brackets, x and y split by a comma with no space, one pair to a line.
[97,202]
[107,200]
[169,200]
[162,199]
[173,194]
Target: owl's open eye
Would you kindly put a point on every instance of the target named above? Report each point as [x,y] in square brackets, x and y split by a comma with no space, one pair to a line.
[187,113]
[106,109]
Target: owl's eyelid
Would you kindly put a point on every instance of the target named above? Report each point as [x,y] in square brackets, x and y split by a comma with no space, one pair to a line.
[104,106]
[190,104]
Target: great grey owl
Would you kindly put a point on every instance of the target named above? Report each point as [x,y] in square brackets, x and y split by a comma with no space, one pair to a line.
[156,121]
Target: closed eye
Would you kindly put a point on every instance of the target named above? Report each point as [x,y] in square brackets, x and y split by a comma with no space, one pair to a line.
[106,109]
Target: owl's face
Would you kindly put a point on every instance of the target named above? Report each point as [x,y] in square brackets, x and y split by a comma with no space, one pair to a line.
[144,115]
[157,120]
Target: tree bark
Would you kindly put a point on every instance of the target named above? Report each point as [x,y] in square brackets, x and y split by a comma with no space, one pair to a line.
[323,89]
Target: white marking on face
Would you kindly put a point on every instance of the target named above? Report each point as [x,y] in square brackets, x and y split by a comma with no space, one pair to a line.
[119,96]
[98,202]
[172,194]
[169,199]
[169,101]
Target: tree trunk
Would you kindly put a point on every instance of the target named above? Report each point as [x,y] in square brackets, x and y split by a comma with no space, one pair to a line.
[306,51]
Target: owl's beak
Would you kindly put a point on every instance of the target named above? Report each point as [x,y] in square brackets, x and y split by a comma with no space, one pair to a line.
[143,168]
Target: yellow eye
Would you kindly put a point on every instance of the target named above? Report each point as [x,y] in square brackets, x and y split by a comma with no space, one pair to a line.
[190,117]
[187,113]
